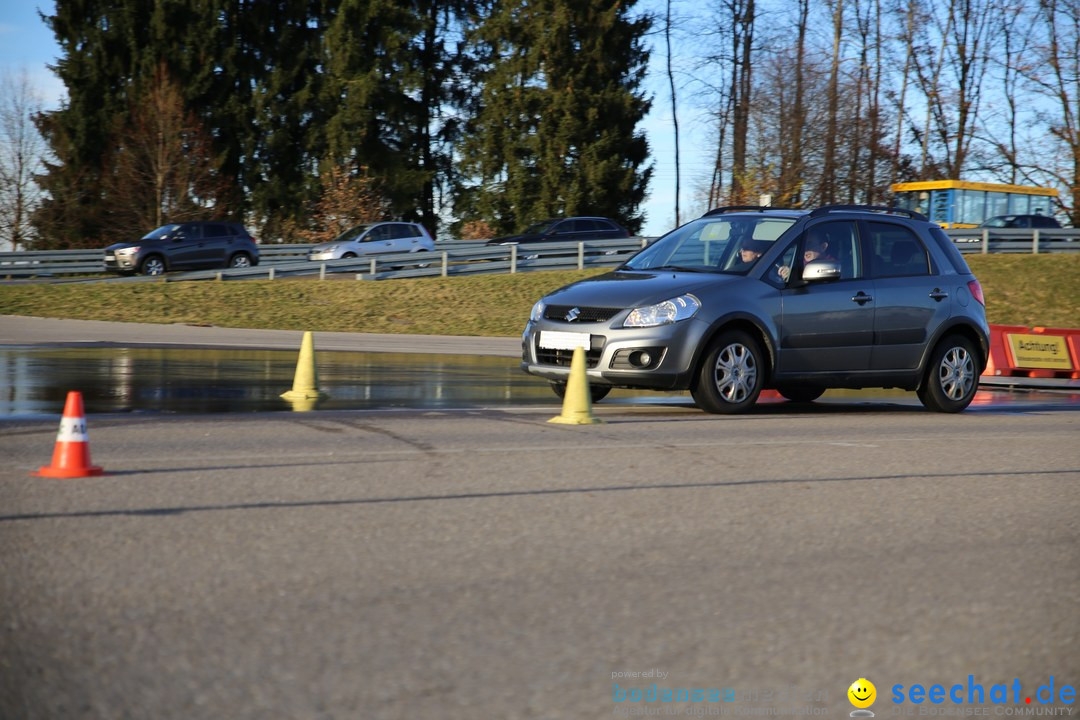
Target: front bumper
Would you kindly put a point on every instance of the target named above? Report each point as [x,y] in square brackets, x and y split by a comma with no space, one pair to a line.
[115,262]
[656,358]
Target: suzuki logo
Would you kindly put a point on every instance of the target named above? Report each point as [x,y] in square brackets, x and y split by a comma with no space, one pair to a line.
[573,314]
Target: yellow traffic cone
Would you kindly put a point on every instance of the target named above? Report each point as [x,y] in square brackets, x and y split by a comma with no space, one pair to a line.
[306,381]
[577,402]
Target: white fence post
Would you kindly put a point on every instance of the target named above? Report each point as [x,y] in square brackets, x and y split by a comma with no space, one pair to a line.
[581,256]
[513,258]
[271,274]
[985,241]
[322,271]
[445,262]
[1035,242]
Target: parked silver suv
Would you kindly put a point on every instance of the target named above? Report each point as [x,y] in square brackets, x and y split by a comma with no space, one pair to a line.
[743,299]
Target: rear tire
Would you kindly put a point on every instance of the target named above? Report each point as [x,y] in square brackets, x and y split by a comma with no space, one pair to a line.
[731,375]
[596,392]
[952,376]
[240,260]
[801,393]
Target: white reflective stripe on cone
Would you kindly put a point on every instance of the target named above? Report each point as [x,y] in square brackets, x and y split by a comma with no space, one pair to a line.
[72,430]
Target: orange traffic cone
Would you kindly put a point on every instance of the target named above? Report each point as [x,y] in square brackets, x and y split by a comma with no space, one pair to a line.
[71,455]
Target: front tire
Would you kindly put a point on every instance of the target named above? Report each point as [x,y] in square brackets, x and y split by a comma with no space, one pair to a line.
[731,375]
[596,392]
[152,265]
[952,376]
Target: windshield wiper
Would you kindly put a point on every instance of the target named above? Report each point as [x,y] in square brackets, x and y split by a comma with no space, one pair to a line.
[678,268]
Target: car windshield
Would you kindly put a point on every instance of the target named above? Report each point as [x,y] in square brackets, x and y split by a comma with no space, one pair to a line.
[352,233]
[996,222]
[716,244]
[538,228]
[161,232]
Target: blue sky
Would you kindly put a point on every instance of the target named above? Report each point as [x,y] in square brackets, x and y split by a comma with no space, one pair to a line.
[26,42]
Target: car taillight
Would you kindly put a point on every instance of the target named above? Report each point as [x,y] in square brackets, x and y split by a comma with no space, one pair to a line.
[976,291]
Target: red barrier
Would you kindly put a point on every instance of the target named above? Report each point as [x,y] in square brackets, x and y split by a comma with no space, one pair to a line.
[1039,352]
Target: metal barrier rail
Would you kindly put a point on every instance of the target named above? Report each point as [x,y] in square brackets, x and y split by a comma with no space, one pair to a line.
[465,258]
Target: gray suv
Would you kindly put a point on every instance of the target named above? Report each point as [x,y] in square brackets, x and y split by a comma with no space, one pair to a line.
[743,299]
[185,246]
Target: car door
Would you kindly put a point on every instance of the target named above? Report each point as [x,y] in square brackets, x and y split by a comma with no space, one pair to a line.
[910,297]
[378,239]
[407,237]
[185,247]
[215,242]
[828,326]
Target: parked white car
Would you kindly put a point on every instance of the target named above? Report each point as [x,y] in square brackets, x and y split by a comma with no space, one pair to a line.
[372,238]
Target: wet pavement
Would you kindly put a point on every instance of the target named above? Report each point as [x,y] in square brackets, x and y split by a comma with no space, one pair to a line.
[35,380]
[116,380]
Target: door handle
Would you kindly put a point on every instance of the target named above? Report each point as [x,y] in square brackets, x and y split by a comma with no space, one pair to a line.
[861,298]
[938,295]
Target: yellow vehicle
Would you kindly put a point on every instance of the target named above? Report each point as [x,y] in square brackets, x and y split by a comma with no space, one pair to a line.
[960,204]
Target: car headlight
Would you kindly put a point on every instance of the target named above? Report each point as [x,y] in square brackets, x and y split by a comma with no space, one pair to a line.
[537,311]
[128,251]
[665,313]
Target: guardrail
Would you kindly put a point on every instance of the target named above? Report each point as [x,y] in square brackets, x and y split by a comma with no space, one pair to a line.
[469,258]
[279,261]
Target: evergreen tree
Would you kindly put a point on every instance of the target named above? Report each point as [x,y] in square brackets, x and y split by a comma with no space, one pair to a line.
[373,87]
[554,130]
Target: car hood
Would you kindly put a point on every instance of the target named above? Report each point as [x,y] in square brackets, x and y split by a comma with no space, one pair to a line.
[121,245]
[323,246]
[530,237]
[625,289]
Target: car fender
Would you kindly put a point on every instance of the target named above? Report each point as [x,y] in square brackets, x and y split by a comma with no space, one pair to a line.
[963,325]
[764,329]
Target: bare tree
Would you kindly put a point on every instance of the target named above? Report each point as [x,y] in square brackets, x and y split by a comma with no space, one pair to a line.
[792,163]
[1016,32]
[163,166]
[828,166]
[674,109]
[22,151]
[1056,76]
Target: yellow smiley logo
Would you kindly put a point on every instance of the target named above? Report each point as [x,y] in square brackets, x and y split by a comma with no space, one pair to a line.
[862,693]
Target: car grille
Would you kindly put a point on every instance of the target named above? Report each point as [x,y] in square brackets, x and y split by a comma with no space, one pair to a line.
[586,314]
[562,358]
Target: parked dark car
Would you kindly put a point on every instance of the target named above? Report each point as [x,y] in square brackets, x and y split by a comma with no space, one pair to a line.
[745,299]
[185,246]
[1021,221]
[566,229]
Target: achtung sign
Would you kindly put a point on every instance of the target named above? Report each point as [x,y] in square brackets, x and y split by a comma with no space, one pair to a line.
[1040,351]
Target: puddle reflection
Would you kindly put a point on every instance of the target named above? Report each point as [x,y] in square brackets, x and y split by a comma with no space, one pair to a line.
[36,381]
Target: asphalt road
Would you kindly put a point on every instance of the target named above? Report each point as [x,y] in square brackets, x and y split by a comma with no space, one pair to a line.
[488,564]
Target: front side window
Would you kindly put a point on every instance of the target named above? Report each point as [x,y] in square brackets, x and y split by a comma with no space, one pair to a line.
[539,228]
[897,251]
[352,233]
[379,233]
[836,241]
[717,244]
[163,231]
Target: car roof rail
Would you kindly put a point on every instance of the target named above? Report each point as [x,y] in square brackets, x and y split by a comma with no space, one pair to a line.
[886,209]
[742,208]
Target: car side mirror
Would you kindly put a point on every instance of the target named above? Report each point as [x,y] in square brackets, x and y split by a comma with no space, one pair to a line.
[821,270]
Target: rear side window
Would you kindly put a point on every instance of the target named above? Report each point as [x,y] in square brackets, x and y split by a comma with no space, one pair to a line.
[897,251]
[212,231]
[949,248]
